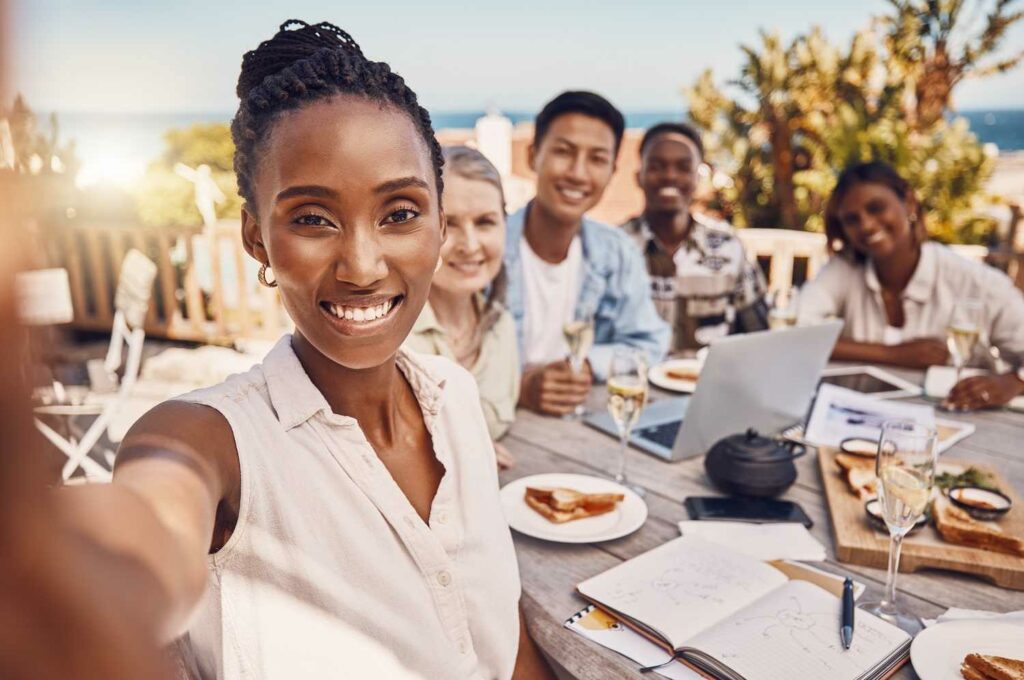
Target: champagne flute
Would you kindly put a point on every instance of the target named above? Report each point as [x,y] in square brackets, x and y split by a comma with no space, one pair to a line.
[627,394]
[963,333]
[579,335]
[783,310]
[905,466]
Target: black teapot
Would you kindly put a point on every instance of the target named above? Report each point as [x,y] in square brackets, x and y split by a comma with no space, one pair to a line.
[751,465]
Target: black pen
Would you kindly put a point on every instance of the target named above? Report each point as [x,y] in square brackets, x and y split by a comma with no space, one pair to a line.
[846,631]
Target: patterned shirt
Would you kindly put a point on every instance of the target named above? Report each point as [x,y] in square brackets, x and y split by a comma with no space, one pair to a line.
[707,288]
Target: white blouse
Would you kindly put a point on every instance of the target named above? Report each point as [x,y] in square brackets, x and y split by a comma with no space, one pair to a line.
[330,572]
[852,292]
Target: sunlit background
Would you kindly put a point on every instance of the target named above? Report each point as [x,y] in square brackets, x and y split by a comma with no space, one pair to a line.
[119,74]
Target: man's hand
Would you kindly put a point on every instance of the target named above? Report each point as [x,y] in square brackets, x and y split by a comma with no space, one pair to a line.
[920,353]
[982,391]
[555,389]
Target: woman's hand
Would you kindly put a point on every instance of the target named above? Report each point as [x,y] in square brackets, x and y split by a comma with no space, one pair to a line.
[920,353]
[555,389]
[505,458]
[983,391]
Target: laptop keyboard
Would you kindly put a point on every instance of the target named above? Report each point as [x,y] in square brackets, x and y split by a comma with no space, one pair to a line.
[663,434]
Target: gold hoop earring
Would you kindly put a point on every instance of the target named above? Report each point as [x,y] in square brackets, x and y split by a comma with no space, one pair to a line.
[262,276]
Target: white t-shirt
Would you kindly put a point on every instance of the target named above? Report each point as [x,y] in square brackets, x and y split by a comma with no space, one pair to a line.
[550,294]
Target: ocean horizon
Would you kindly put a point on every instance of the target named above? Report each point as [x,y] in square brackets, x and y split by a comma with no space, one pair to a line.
[118,146]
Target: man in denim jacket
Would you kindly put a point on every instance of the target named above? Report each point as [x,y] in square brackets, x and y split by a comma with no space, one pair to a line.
[563,266]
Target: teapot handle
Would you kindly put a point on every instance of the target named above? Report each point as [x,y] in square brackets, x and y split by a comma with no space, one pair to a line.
[796,449]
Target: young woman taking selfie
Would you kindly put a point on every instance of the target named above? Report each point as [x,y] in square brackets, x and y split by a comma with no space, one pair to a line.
[330,510]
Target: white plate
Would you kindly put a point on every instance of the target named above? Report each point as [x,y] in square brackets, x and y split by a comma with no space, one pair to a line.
[938,651]
[658,375]
[627,517]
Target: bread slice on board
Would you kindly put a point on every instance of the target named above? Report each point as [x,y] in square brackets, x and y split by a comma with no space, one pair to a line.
[956,526]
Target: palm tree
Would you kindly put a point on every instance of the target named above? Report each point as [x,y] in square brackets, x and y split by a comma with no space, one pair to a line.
[936,43]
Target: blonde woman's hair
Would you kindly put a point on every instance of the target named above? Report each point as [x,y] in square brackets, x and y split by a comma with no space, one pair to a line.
[469,163]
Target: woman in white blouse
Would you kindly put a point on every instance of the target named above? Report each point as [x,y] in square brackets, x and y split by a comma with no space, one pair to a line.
[333,512]
[896,290]
[465,318]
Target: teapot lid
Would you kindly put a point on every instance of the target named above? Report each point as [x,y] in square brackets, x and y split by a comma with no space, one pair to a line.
[755,448]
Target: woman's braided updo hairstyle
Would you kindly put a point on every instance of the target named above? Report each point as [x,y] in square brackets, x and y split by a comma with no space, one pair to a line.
[303,64]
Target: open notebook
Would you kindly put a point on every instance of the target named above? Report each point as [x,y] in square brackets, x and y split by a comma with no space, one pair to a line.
[735,617]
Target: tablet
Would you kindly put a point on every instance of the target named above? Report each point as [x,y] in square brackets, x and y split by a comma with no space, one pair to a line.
[870,380]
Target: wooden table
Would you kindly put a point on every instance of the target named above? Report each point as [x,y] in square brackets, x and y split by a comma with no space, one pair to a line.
[550,571]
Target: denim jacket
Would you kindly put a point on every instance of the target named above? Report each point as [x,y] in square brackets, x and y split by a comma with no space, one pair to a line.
[614,289]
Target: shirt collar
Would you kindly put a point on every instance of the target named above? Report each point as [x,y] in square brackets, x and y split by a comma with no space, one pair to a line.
[296,399]
[696,238]
[922,281]
[292,394]
[427,320]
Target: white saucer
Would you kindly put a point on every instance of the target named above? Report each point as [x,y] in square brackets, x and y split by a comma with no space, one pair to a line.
[658,375]
[627,517]
[938,651]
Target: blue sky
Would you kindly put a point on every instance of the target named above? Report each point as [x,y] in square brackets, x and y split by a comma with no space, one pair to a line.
[184,55]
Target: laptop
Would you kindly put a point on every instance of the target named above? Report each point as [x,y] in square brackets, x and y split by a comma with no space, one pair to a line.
[764,380]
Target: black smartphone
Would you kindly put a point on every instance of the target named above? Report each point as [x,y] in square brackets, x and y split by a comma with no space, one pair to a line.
[744,509]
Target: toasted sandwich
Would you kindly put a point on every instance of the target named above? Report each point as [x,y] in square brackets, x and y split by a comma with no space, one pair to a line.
[987,667]
[561,505]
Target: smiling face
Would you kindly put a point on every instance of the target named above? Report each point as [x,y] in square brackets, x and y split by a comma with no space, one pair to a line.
[668,173]
[574,163]
[347,216]
[471,255]
[876,221]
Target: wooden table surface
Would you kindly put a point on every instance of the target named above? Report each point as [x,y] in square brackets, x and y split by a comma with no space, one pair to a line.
[550,571]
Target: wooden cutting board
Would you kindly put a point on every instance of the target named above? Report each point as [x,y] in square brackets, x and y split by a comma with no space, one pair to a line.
[858,542]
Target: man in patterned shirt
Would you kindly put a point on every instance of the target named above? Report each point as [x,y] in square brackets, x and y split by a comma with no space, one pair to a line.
[701,280]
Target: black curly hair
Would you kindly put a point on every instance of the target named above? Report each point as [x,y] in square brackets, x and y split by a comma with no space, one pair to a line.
[305,63]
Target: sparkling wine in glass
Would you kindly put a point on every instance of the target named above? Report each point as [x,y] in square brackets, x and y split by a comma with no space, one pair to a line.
[963,333]
[905,466]
[579,336]
[627,394]
[783,310]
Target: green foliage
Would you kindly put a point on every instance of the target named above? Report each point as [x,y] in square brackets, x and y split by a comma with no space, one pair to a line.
[798,113]
[165,199]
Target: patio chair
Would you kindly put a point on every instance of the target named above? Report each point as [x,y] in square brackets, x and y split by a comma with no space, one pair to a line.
[131,303]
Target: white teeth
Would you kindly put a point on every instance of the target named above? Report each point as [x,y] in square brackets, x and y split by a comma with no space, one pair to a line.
[669,191]
[361,313]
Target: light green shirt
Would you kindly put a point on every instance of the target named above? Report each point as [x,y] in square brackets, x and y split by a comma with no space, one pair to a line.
[496,368]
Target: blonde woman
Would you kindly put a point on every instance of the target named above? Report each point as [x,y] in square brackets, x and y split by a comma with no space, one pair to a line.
[465,318]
